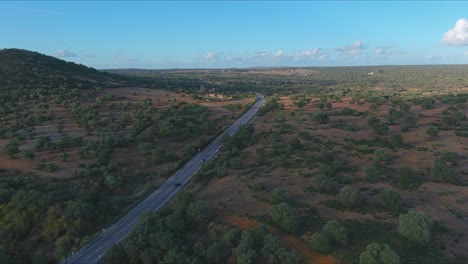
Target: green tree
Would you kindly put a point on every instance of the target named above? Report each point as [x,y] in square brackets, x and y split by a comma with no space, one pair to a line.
[321,117]
[277,196]
[373,172]
[112,182]
[441,172]
[349,196]
[416,227]
[286,217]
[321,183]
[410,120]
[390,200]
[376,253]
[198,212]
[379,128]
[320,242]
[336,231]
[27,154]
[406,178]
[11,148]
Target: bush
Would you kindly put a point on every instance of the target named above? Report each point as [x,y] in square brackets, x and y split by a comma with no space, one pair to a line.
[405,178]
[320,242]
[432,131]
[321,183]
[390,199]
[321,117]
[373,172]
[376,253]
[277,196]
[11,148]
[257,186]
[286,217]
[441,172]
[27,154]
[416,227]
[349,196]
[379,128]
[336,231]
[380,158]
[449,156]
[410,120]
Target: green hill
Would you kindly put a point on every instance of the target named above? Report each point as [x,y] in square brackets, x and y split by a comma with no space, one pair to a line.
[23,69]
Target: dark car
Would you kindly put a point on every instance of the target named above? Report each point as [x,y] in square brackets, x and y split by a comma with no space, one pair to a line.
[203,160]
[177,184]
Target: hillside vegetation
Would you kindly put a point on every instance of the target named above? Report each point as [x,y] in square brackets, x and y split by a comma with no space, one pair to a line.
[75,155]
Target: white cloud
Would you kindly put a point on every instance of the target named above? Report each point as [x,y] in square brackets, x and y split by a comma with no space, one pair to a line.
[310,53]
[353,49]
[315,53]
[279,53]
[322,56]
[63,54]
[458,35]
[209,56]
[385,50]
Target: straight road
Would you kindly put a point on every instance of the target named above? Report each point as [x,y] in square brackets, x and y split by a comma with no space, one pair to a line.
[93,252]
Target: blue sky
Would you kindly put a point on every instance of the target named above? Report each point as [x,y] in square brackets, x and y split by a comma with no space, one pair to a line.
[239,34]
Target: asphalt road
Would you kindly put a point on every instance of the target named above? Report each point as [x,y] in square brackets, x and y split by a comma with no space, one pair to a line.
[97,248]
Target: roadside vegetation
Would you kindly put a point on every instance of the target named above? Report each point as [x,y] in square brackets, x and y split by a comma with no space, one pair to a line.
[362,168]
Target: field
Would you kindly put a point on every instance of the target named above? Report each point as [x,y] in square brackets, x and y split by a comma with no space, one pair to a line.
[339,163]
[343,149]
[111,108]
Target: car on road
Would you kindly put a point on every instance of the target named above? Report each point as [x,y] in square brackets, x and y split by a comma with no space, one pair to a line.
[203,160]
[177,184]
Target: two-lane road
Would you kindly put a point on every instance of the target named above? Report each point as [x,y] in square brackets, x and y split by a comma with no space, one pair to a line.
[93,252]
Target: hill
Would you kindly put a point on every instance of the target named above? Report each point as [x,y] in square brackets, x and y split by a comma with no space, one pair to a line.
[28,69]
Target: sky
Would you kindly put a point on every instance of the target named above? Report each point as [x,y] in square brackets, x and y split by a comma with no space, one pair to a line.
[225,34]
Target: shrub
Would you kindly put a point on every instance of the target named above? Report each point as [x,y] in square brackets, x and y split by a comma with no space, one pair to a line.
[321,117]
[390,199]
[373,172]
[416,227]
[441,172]
[321,183]
[257,186]
[376,253]
[373,120]
[405,178]
[336,231]
[411,120]
[449,156]
[380,158]
[349,196]
[379,128]
[432,131]
[277,196]
[27,154]
[286,217]
[320,242]
[11,148]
